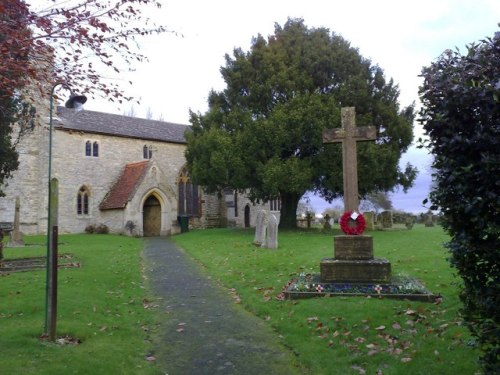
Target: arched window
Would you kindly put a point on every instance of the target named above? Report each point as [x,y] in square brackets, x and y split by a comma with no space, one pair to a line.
[92,149]
[188,195]
[88,148]
[82,201]
[95,149]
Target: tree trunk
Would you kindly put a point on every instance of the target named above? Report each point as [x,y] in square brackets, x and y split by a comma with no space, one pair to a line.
[288,216]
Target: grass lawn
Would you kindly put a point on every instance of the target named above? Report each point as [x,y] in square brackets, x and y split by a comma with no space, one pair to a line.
[345,335]
[100,303]
[103,302]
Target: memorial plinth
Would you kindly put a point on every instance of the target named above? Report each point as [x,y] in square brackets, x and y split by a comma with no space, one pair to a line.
[354,262]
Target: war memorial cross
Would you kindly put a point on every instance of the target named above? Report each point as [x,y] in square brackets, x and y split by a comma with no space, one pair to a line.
[349,134]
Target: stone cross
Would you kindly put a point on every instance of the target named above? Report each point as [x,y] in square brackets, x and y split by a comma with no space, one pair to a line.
[349,134]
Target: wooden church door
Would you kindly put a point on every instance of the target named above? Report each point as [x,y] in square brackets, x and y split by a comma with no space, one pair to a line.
[151,217]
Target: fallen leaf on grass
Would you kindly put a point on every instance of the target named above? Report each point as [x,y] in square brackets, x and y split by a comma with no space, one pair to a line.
[380,328]
[359,369]
[311,319]
[405,359]
[396,326]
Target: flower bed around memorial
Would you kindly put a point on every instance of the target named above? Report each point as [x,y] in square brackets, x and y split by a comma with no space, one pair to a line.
[401,287]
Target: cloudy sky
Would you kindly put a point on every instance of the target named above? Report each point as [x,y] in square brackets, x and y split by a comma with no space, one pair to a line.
[400,36]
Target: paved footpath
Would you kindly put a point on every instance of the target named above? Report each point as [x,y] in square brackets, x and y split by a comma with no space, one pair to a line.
[205,332]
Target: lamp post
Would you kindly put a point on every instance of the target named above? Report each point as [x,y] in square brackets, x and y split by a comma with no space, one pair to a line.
[75,101]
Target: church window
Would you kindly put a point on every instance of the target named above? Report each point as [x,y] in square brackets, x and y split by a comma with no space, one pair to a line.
[188,195]
[92,149]
[95,149]
[147,152]
[82,201]
[275,204]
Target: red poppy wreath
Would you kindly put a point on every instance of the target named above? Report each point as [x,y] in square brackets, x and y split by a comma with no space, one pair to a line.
[352,223]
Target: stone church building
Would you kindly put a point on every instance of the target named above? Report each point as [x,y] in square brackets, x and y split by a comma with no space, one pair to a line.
[124,172]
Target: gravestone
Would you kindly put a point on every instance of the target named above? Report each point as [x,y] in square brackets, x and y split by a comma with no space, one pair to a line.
[272,233]
[353,260]
[262,221]
[385,219]
[309,219]
[370,220]
[409,221]
[327,224]
[266,230]
[428,220]
[16,239]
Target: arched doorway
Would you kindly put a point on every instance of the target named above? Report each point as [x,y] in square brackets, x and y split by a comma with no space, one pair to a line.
[247,216]
[151,217]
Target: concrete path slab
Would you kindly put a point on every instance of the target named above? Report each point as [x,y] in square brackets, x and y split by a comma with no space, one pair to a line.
[205,332]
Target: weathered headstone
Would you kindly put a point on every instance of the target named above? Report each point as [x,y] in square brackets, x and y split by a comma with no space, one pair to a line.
[428,220]
[353,260]
[370,220]
[16,239]
[262,221]
[272,233]
[327,225]
[349,134]
[309,219]
[409,221]
[385,219]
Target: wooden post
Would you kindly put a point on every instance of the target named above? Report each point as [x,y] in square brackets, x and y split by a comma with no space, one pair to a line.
[349,134]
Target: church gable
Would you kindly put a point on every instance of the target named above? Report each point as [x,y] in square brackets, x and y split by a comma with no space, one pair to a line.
[123,190]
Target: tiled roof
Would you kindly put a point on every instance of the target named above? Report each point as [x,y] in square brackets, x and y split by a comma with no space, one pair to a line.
[123,190]
[120,126]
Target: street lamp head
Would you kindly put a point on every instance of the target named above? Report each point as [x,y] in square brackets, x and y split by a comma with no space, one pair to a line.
[76,101]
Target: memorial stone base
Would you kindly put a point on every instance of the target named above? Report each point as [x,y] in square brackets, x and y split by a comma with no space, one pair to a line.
[353,262]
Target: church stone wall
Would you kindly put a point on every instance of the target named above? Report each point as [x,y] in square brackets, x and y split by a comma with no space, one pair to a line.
[27,183]
[73,170]
[98,174]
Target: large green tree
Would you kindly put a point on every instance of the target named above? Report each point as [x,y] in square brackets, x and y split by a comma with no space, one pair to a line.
[461,116]
[263,132]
